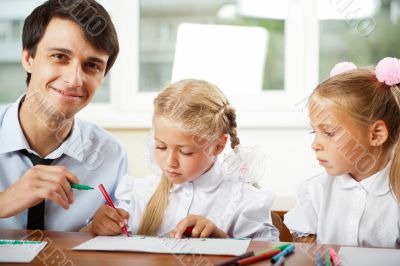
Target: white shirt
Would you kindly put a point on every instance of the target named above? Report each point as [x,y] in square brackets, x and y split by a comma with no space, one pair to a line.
[342,211]
[90,153]
[237,208]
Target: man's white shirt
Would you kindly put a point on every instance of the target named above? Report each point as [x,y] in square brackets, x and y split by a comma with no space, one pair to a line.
[90,153]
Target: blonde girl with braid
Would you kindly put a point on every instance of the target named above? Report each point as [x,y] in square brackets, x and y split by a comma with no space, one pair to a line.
[192,121]
[355,116]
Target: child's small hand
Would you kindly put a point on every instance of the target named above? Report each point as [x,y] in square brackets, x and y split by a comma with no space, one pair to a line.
[109,221]
[202,227]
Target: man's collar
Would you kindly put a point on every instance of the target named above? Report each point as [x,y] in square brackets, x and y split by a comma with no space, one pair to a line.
[72,146]
[13,139]
[11,136]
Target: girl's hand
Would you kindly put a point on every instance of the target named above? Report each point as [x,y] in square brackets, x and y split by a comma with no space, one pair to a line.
[109,221]
[202,227]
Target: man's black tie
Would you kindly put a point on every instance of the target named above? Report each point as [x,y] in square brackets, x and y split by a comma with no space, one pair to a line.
[36,213]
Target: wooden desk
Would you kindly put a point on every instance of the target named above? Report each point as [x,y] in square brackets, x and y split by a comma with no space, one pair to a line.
[58,252]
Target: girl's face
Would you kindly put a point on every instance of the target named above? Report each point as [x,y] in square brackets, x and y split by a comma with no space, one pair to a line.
[183,157]
[341,145]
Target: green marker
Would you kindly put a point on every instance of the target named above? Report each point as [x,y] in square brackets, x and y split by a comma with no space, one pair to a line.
[282,247]
[81,187]
[328,259]
[17,242]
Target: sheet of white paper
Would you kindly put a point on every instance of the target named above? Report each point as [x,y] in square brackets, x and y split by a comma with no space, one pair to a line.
[206,246]
[20,253]
[350,256]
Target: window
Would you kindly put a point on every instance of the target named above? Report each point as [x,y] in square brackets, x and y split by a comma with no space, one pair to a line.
[159,21]
[362,32]
[12,75]
[147,33]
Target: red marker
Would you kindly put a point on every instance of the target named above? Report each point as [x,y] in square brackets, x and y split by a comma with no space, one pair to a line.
[263,256]
[188,232]
[334,258]
[109,201]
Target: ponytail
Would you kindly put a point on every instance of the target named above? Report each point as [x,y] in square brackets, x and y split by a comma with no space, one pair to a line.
[154,213]
[394,178]
[231,115]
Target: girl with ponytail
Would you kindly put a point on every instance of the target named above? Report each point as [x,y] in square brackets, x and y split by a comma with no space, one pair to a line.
[355,116]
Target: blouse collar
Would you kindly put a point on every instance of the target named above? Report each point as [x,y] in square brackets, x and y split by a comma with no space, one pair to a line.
[376,184]
[207,182]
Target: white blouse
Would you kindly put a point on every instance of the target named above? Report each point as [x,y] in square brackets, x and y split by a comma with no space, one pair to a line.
[237,208]
[340,210]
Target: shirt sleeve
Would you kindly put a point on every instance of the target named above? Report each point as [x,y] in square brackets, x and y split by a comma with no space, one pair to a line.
[302,220]
[253,218]
[123,193]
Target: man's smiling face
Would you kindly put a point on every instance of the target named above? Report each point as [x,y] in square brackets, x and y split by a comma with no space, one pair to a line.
[66,69]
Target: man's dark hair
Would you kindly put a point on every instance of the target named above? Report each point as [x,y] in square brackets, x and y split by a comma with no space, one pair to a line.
[94,20]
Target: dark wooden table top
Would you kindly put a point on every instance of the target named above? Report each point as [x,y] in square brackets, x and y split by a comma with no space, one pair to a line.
[59,252]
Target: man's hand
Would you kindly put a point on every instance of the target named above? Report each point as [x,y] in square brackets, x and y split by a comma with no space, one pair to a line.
[202,227]
[109,221]
[38,183]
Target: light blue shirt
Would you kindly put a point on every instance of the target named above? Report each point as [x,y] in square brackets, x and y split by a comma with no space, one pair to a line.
[90,153]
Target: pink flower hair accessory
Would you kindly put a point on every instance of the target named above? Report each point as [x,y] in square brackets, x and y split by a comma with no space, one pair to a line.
[388,71]
[342,67]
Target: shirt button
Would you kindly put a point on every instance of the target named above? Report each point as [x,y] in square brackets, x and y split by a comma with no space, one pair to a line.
[360,199]
[353,222]
[188,194]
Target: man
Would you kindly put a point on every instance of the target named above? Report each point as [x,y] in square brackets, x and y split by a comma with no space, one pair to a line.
[68,48]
